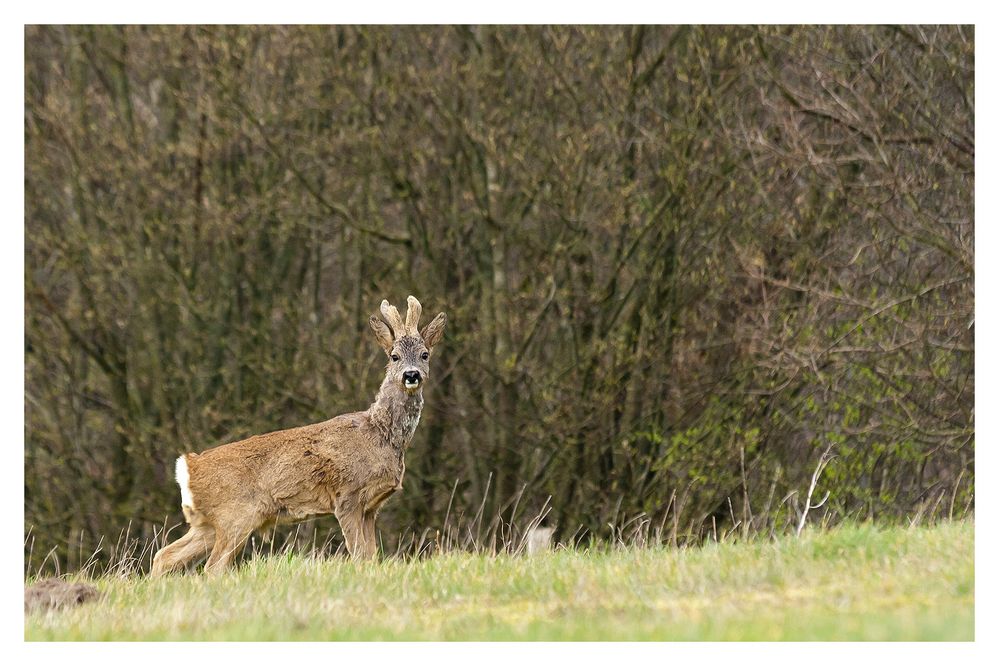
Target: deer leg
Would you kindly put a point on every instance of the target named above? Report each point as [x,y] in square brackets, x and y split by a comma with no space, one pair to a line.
[227,547]
[353,533]
[351,518]
[190,546]
[368,533]
[223,553]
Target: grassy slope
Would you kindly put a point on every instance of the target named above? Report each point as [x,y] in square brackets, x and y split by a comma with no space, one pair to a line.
[851,583]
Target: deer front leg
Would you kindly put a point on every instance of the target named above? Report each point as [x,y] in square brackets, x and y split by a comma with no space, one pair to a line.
[368,532]
[352,523]
[354,534]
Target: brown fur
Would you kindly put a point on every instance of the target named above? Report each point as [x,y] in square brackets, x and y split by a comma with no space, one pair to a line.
[347,466]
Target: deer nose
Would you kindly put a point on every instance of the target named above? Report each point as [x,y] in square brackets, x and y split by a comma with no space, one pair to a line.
[411,378]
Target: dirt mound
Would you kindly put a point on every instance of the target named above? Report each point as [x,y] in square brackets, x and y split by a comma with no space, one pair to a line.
[57,593]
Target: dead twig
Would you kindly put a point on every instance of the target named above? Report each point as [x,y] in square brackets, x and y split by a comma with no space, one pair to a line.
[823,461]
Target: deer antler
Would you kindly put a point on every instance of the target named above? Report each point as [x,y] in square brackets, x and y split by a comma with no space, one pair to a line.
[394,319]
[413,316]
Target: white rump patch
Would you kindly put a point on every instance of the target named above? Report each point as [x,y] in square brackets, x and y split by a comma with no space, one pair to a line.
[183,480]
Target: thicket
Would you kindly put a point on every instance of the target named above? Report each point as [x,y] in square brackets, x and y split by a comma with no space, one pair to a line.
[682,265]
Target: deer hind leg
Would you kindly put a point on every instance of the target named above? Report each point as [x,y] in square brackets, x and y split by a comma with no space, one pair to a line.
[226,547]
[180,553]
[230,537]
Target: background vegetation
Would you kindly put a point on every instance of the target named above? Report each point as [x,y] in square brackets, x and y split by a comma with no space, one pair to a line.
[682,266]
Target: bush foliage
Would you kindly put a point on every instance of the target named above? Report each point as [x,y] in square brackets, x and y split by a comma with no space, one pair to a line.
[680,264]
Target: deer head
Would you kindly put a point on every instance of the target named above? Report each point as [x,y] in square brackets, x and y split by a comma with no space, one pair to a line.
[406,345]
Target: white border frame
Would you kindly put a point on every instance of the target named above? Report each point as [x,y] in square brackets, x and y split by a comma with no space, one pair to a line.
[516,11]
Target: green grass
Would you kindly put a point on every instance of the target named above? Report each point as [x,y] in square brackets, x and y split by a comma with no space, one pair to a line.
[848,583]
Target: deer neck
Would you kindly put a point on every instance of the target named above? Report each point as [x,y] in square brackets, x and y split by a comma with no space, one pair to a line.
[396,413]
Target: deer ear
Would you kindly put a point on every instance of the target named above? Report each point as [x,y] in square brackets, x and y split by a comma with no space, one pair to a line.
[434,331]
[382,333]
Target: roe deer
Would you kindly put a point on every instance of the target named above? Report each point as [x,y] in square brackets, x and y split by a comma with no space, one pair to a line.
[347,466]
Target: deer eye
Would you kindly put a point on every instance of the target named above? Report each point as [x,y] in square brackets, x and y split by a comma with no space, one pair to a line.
[425,355]
[395,357]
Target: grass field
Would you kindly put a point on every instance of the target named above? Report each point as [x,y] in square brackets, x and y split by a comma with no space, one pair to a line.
[848,583]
